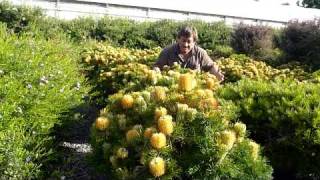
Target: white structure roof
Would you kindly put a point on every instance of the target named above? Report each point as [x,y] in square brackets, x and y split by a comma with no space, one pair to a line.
[238,8]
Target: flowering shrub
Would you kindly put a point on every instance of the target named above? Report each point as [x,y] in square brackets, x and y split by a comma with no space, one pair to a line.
[39,80]
[173,126]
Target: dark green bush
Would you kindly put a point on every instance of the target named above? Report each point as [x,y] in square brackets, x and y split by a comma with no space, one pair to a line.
[39,81]
[301,41]
[18,18]
[163,32]
[252,40]
[80,29]
[212,35]
[285,118]
[112,30]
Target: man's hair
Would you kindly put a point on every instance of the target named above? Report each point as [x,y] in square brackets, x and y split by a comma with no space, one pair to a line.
[188,31]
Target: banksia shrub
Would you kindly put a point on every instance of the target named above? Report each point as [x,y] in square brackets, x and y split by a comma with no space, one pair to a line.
[176,124]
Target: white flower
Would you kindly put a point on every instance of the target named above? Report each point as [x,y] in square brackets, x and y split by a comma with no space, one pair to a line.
[43,80]
[29,86]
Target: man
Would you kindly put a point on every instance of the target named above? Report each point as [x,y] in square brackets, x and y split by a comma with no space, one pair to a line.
[186,53]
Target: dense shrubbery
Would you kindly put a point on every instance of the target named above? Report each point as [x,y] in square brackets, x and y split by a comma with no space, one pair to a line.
[301,41]
[171,115]
[284,117]
[253,40]
[18,18]
[241,66]
[39,80]
[123,32]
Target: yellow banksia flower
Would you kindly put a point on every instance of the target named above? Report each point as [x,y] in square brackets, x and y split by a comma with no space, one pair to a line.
[165,124]
[152,76]
[122,153]
[200,93]
[149,131]
[102,123]
[132,134]
[159,93]
[113,161]
[240,129]
[127,102]
[158,140]
[209,103]
[226,139]
[87,59]
[210,83]
[186,82]
[161,111]
[157,166]
[254,149]
[208,93]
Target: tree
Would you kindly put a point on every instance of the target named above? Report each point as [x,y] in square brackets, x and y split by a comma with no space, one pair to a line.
[310,3]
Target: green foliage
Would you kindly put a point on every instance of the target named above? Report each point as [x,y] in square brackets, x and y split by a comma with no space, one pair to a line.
[212,35]
[221,51]
[39,80]
[163,32]
[80,29]
[284,117]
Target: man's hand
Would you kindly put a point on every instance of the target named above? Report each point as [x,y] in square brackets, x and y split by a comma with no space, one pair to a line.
[219,76]
[216,71]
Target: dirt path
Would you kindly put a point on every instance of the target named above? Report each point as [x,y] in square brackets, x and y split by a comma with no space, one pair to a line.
[73,148]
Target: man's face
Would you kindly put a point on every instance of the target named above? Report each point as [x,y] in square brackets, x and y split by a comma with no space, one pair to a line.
[185,44]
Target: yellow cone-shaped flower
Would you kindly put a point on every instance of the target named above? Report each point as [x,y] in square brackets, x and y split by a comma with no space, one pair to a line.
[127,102]
[186,82]
[209,103]
[122,153]
[158,140]
[102,123]
[240,129]
[148,132]
[254,149]
[159,112]
[165,124]
[210,83]
[159,93]
[157,166]
[132,134]
[227,139]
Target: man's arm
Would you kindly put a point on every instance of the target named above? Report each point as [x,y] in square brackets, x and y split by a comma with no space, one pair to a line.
[209,66]
[162,60]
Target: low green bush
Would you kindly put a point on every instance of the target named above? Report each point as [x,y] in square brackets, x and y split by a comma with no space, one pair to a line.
[284,116]
[39,81]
